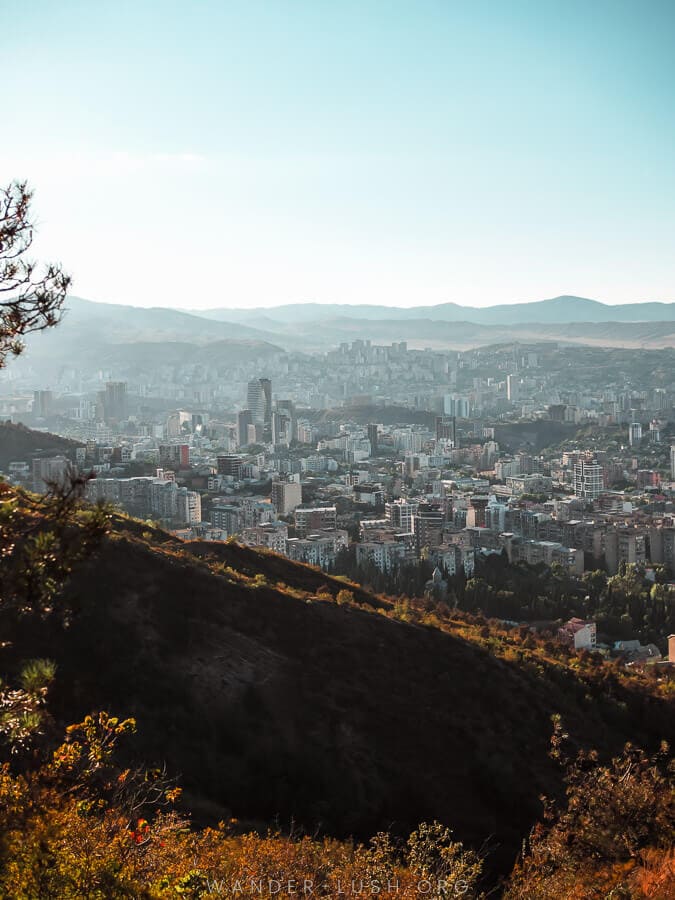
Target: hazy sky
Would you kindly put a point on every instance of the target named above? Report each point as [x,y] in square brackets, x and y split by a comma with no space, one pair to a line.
[249,153]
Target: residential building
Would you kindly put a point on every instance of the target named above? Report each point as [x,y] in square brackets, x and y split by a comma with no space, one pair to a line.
[286,496]
[49,470]
[579,634]
[317,549]
[624,545]
[259,402]
[634,434]
[244,424]
[314,518]
[399,514]
[272,535]
[588,479]
[115,401]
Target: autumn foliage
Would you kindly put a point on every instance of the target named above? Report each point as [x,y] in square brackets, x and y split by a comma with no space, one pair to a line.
[77,826]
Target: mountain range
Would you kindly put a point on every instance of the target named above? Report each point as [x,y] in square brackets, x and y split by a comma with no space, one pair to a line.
[95,334]
[557,310]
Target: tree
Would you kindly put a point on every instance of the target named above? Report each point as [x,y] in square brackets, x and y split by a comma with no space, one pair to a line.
[41,538]
[31,297]
[612,838]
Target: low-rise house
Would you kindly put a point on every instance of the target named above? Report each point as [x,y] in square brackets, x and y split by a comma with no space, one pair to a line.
[579,634]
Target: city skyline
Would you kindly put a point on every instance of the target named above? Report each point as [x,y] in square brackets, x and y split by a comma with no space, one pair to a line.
[261,154]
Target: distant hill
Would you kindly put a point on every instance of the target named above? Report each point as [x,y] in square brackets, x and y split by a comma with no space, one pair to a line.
[440,335]
[316,326]
[94,334]
[105,334]
[557,310]
[19,443]
[85,323]
[277,698]
[117,323]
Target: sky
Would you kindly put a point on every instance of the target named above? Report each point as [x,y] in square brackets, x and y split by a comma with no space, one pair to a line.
[240,154]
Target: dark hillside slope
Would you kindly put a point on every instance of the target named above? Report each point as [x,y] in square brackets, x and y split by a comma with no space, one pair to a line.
[272,703]
[18,443]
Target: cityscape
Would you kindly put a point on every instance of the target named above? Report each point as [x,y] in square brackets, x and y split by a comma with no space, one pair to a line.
[383,457]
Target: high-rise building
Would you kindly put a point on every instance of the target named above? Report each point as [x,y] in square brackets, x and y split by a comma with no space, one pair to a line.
[372,437]
[623,544]
[444,428]
[43,402]
[115,401]
[259,401]
[456,405]
[588,481]
[285,496]
[399,514]
[230,465]
[281,427]
[475,516]
[188,506]
[634,433]
[309,519]
[672,461]
[287,409]
[660,399]
[428,524]
[512,388]
[176,456]
[244,419]
[48,471]
[655,431]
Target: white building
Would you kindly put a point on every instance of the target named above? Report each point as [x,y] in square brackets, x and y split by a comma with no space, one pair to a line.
[399,514]
[588,481]
[386,554]
[318,549]
[634,433]
[578,634]
[272,535]
[286,495]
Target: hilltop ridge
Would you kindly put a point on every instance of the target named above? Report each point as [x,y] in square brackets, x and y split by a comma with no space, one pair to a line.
[555,310]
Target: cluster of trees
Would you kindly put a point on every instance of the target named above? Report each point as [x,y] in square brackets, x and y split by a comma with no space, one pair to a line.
[408,580]
[612,837]
[625,606]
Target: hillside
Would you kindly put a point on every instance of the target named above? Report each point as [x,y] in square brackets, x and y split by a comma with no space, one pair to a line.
[19,443]
[275,699]
[129,336]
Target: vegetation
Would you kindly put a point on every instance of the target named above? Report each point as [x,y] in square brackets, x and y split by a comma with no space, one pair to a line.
[31,298]
[615,835]
[625,606]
